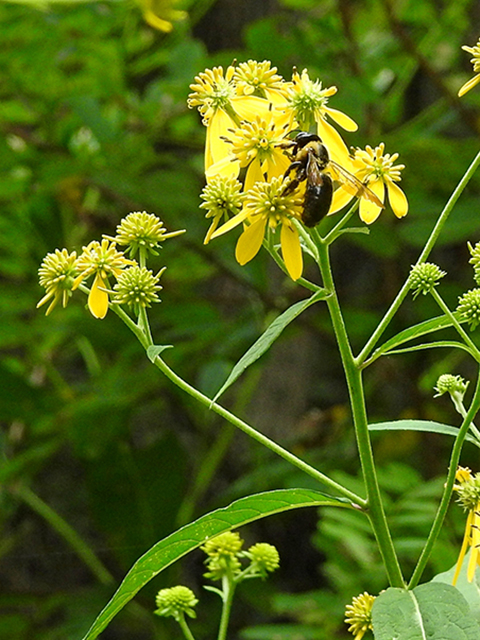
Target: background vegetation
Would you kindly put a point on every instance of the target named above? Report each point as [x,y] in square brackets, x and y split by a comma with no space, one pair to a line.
[101,457]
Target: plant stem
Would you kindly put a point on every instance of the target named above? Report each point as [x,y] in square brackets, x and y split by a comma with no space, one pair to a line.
[185,628]
[357,400]
[363,355]
[228,593]
[237,422]
[447,494]
[67,532]
[474,352]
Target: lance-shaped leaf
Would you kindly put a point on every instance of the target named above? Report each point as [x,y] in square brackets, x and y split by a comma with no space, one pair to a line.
[432,611]
[268,338]
[178,544]
[420,425]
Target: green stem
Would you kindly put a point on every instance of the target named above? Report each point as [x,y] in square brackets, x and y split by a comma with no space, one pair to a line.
[447,494]
[338,228]
[369,346]
[233,419]
[461,331]
[185,628]
[228,593]
[66,532]
[353,376]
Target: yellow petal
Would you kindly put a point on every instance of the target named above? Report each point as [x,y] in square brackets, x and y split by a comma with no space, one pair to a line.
[156,22]
[469,85]
[334,142]
[231,224]
[248,107]
[291,250]
[250,241]
[211,229]
[342,119]
[216,148]
[340,199]
[98,299]
[463,550]
[398,200]
[369,211]
[228,167]
[254,174]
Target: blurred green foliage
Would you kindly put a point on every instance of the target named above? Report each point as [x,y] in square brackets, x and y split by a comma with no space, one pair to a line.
[94,125]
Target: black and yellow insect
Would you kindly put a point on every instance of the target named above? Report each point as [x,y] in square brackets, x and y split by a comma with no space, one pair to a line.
[311,163]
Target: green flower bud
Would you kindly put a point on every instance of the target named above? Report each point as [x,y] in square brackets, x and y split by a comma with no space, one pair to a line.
[223,551]
[469,308]
[423,277]
[137,287]
[468,488]
[456,386]
[475,260]
[264,558]
[57,274]
[176,602]
[142,230]
[223,198]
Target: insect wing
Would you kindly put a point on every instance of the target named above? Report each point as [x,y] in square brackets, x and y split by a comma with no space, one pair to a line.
[352,185]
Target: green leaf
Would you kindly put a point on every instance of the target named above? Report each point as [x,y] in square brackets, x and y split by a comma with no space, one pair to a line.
[416,331]
[469,590]
[420,425]
[433,611]
[451,344]
[268,338]
[156,350]
[181,542]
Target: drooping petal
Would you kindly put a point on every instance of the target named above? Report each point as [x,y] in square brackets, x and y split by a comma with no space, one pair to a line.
[232,223]
[211,229]
[341,197]
[463,550]
[342,119]
[254,174]
[291,250]
[469,85]
[398,200]
[369,211]
[98,298]
[334,142]
[475,544]
[216,148]
[250,241]
[228,167]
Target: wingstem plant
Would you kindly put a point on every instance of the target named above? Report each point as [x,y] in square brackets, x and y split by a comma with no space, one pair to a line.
[253,117]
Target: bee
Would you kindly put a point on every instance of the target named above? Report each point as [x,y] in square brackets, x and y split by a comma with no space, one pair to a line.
[311,161]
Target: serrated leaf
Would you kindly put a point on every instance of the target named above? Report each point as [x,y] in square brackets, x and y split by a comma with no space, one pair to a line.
[428,426]
[432,611]
[181,542]
[155,350]
[416,331]
[268,338]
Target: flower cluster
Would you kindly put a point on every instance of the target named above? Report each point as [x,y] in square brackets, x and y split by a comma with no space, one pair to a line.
[475,51]
[468,489]
[176,602]
[250,111]
[62,272]
[423,277]
[359,615]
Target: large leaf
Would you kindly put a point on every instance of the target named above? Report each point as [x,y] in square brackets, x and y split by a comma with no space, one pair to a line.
[178,544]
[268,338]
[412,333]
[420,425]
[432,611]
[469,590]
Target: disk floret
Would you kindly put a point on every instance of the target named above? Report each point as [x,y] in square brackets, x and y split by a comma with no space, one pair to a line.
[423,277]
[176,602]
[469,308]
[57,274]
[359,615]
[263,557]
[142,232]
[137,287]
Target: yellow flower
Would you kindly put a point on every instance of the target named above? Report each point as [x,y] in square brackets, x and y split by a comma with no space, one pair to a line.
[359,615]
[375,169]
[468,489]
[475,51]
[266,207]
[57,273]
[307,104]
[222,198]
[260,78]
[102,260]
[221,108]
[256,146]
